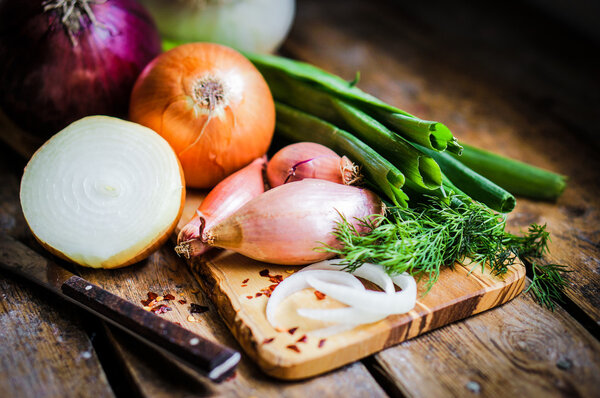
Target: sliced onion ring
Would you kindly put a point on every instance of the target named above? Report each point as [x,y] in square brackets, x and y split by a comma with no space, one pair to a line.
[371,272]
[298,281]
[369,300]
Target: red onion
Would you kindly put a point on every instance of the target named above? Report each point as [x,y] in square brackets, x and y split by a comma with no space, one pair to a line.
[310,160]
[227,197]
[286,224]
[66,59]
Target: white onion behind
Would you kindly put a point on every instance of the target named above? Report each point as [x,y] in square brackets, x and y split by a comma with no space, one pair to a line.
[103,192]
[246,25]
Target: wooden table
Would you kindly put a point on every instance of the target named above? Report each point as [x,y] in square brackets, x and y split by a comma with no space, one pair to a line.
[513,80]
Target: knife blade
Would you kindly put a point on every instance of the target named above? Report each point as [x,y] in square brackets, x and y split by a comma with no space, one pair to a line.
[207,357]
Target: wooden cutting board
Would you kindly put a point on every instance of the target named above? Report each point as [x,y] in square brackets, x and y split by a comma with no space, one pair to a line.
[232,281]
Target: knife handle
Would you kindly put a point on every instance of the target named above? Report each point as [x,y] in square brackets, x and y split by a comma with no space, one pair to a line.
[211,358]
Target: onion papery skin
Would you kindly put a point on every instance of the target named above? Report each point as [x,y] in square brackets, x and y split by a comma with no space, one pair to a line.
[224,199]
[247,25]
[213,138]
[302,160]
[103,192]
[47,82]
[287,223]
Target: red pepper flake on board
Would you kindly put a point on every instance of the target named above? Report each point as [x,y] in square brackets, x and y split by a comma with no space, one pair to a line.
[320,296]
[168,296]
[269,340]
[293,347]
[246,280]
[231,376]
[264,272]
[197,308]
[321,343]
[258,294]
[275,278]
[292,330]
[249,297]
[182,301]
[151,297]
[161,309]
[244,285]
[301,339]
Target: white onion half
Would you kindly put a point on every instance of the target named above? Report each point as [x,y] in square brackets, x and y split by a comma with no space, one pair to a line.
[103,192]
[296,282]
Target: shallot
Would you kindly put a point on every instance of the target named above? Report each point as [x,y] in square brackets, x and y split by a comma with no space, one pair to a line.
[287,223]
[302,160]
[103,192]
[224,199]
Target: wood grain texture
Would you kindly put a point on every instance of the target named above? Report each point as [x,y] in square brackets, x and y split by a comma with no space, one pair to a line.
[44,351]
[518,349]
[233,282]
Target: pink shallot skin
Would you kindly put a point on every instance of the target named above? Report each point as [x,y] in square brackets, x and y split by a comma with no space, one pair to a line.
[302,160]
[224,199]
[285,224]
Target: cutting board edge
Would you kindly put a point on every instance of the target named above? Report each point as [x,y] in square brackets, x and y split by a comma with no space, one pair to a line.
[391,334]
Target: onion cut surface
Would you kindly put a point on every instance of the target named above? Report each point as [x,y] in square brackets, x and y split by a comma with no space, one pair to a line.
[103,192]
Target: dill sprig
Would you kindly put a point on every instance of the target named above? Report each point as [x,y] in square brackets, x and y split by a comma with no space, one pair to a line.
[434,234]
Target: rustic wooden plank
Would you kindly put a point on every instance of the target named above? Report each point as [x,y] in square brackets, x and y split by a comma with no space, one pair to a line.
[415,60]
[518,349]
[44,350]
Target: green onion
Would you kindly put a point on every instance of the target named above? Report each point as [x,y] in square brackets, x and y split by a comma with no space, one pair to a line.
[432,135]
[473,184]
[299,126]
[516,177]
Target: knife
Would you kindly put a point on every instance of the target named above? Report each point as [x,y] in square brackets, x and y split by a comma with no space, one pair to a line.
[209,358]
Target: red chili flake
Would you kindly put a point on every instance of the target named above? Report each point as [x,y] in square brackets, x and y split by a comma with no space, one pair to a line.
[244,285]
[292,330]
[151,297]
[246,280]
[168,296]
[264,272]
[293,347]
[182,301]
[231,376]
[320,296]
[249,297]
[321,343]
[177,323]
[197,308]
[161,309]
[275,278]
[269,340]
[258,294]
[301,339]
